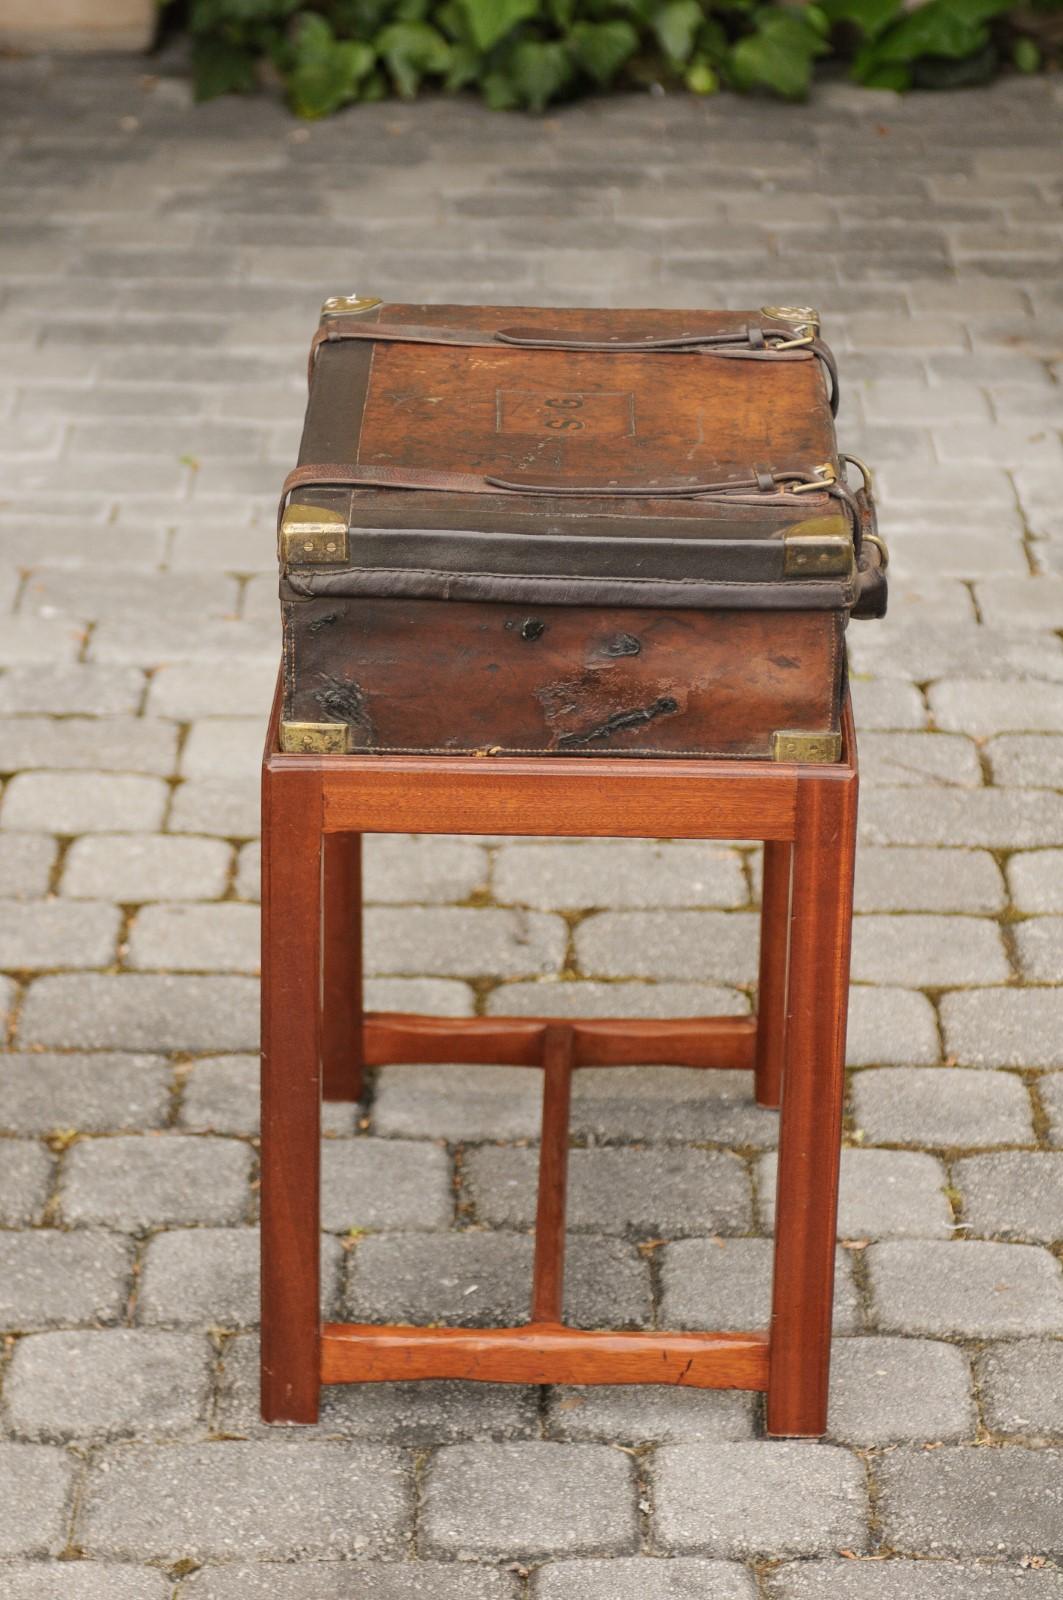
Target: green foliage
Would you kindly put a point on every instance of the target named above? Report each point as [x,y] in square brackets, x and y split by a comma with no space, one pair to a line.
[526,54]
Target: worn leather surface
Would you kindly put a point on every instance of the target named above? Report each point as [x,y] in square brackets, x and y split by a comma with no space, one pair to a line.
[567,540]
[455,676]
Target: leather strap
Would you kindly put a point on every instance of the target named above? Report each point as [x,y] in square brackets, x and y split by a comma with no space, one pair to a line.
[755,342]
[761,487]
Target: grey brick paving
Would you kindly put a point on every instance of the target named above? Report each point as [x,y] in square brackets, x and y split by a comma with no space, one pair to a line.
[82,802]
[655,1193]
[50,1279]
[1022,1387]
[1012,1194]
[82,1580]
[678,944]
[895,1391]
[531,1500]
[1035,878]
[138,1011]
[422,1415]
[937,1579]
[911,879]
[1005,1028]
[741,1499]
[649,1413]
[624,873]
[882,1194]
[196,938]
[101,1093]
[931,1106]
[106,1384]
[474,1279]
[137,1181]
[345,1580]
[155,302]
[973,1502]
[25,1179]
[1039,944]
[726,1283]
[935,951]
[36,1483]
[208,1277]
[300,1498]
[26,861]
[639,1578]
[51,933]
[971,1288]
[131,868]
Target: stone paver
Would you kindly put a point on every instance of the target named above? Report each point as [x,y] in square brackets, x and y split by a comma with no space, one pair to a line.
[741,1499]
[898,1579]
[472,1279]
[1004,1028]
[131,868]
[893,1391]
[968,1287]
[346,1580]
[882,1194]
[302,1498]
[638,1578]
[973,1502]
[669,1192]
[1022,1387]
[531,1500]
[36,1482]
[99,1093]
[106,1384]
[209,1278]
[155,304]
[935,1106]
[1012,1194]
[50,1279]
[136,1181]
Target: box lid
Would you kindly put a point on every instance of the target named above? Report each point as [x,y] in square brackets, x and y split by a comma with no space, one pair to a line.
[571,456]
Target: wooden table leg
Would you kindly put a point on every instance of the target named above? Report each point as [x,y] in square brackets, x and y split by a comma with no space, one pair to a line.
[812,1097]
[341,987]
[291,1095]
[771,984]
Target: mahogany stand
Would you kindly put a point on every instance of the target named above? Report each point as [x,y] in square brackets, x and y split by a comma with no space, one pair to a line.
[316,1040]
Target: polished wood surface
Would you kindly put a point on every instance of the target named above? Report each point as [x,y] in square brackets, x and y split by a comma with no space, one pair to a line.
[310,949]
[542,1353]
[392,1037]
[773,972]
[342,1007]
[540,795]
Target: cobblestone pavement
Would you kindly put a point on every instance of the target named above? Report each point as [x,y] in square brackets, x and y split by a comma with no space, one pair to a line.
[162,268]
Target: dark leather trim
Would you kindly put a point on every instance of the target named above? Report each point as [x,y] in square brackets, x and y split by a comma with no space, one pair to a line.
[706,594]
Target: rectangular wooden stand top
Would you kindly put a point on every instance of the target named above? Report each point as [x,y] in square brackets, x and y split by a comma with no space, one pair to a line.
[316,1039]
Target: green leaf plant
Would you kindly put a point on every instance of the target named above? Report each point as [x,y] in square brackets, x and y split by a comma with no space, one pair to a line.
[528,54]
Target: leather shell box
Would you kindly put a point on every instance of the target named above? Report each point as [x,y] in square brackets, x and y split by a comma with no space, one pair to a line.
[571,532]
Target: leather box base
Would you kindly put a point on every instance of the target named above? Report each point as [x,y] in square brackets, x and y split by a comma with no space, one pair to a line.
[454,677]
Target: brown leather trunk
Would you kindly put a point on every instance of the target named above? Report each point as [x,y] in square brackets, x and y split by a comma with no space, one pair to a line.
[570,532]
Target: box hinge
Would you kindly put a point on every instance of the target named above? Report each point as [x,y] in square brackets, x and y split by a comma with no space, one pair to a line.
[819,547]
[311,535]
[316,738]
[792,744]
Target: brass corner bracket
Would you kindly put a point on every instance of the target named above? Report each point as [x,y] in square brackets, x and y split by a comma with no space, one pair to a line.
[311,535]
[349,305]
[792,744]
[819,547]
[315,738]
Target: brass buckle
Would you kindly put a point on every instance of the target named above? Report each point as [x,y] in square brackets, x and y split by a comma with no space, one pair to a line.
[803,319]
[825,475]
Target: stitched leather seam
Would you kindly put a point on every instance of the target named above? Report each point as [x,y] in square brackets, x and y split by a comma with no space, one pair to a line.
[597,577]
